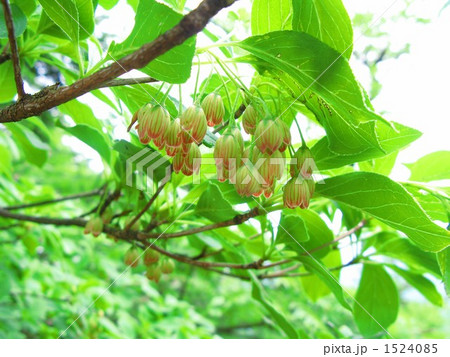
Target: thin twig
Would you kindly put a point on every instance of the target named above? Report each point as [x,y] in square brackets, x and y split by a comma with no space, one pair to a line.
[55,200]
[126,82]
[14,50]
[238,219]
[338,238]
[146,207]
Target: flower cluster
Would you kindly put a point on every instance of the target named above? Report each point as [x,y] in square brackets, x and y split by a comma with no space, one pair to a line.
[179,137]
[254,169]
[152,260]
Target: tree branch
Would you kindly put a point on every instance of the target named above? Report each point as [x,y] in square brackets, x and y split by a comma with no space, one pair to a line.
[14,50]
[126,82]
[56,200]
[191,24]
[239,219]
[147,206]
[338,238]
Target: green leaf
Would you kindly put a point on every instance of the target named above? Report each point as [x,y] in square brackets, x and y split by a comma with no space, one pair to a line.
[444,264]
[177,5]
[391,138]
[326,20]
[173,66]
[213,206]
[34,149]
[422,284]
[108,4]
[314,286]
[80,113]
[81,10]
[65,14]
[19,21]
[315,266]
[5,161]
[27,6]
[30,242]
[432,167]
[376,305]
[318,76]
[93,138]
[259,294]
[271,15]
[402,249]
[435,204]
[7,83]
[390,203]
[292,232]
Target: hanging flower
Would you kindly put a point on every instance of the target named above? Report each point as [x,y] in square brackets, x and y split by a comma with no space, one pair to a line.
[268,136]
[192,159]
[132,257]
[214,109]
[298,194]
[151,257]
[228,150]
[246,181]
[94,226]
[302,163]
[250,119]
[172,136]
[286,135]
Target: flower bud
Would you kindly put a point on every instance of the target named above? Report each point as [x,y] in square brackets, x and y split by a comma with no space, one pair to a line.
[214,109]
[143,137]
[153,273]
[268,192]
[167,266]
[193,158]
[172,136]
[151,257]
[297,193]
[158,119]
[185,149]
[302,163]
[246,181]
[178,162]
[190,116]
[199,129]
[272,167]
[286,135]
[250,119]
[132,257]
[159,142]
[268,136]
[107,216]
[186,137]
[170,151]
[227,151]
[94,226]
[236,132]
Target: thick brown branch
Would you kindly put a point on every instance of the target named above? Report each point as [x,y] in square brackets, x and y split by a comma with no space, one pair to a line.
[191,24]
[14,50]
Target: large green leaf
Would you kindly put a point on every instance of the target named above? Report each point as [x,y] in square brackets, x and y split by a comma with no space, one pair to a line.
[19,21]
[326,20]
[376,301]
[432,167]
[7,83]
[64,13]
[389,202]
[444,264]
[320,77]
[80,113]
[435,203]
[402,249]
[271,15]
[33,148]
[321,271]
[314,286]
[81,10]
[292,232]
[422,284]
[93,138]
[153,19]
[391,138]
[213,205]
[260,295]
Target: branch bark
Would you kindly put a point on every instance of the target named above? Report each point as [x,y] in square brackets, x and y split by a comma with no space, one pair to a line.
[14,50]
[191,24]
